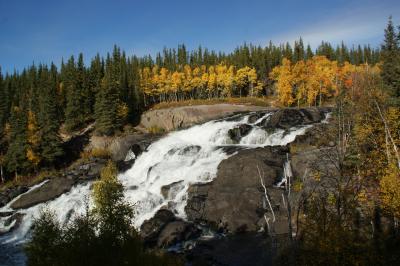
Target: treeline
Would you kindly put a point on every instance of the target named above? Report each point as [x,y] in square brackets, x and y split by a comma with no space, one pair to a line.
[113,90]
[314,80]
[214,81]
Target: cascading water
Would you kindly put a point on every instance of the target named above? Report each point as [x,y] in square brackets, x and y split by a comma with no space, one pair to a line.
[186,157]
[161,175]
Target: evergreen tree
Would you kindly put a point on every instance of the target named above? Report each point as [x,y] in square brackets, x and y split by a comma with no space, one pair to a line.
[49,124]
[107,102]
[74,115]
[309,52]
[391,60]
[15,158]
[3,106]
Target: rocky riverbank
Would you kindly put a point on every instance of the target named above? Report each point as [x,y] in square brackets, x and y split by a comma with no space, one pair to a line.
[233,203]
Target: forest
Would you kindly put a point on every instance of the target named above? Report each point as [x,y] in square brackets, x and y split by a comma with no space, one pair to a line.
[39,101]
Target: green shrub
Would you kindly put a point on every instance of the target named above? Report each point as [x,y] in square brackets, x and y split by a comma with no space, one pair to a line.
[101,236]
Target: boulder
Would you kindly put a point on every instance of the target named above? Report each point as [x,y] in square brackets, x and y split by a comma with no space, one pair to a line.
[12,223]
[168,190]
[185,116]
[50,190]
[176,232]
[235,201]
[238,132]
[151,228]
[7,195]
[124,165]
[254,117]
[291,117]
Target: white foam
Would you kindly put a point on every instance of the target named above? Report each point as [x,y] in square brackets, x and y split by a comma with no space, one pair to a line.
[180,158]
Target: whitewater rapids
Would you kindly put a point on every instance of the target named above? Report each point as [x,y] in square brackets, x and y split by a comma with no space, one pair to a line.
[177,160]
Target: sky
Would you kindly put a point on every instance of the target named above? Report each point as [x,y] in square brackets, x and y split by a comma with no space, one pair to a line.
[44,31]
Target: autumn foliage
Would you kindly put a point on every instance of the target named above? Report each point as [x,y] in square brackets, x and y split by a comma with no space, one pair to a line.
[313,81]
[200,82]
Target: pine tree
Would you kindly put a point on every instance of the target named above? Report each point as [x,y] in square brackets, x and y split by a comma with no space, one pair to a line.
[15,158]
[74,115]
[309,52]
[3,106]
[106,106]
[391,60]
[50,143]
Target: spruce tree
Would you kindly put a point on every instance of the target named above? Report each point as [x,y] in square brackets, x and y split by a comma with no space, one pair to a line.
[15,158]
[107,102]
[391,60]
[51,148]
[74,115]
[3,106]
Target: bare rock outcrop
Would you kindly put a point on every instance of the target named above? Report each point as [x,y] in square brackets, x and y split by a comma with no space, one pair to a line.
[235,201]
[182,117]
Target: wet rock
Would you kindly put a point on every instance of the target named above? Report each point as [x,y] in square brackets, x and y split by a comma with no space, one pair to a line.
[124,166]
[239,250]
[233,200]
[291,117]
[197,197]
[16,218]
[190,150]
[137,149]
[151,228]
[95,170]
[254,117]
[176,232]
[7,195]
[237,133]
[5,214]
[52,189]
[167,190]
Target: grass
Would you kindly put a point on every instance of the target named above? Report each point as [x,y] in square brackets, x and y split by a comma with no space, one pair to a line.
[156,130]
[95,153]
[258,101]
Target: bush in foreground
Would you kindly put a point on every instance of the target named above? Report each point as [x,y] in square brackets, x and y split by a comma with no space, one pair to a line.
[103,235]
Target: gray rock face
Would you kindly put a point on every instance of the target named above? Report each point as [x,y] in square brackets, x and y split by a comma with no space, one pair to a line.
[287,118]
[165,230]
[237,133]
[182,117]
[52,189]
[151,228]
[176,232]
[7,195]
[234,201]
[167,190]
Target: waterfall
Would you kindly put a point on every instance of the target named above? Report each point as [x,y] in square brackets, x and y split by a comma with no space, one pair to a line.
[161,175]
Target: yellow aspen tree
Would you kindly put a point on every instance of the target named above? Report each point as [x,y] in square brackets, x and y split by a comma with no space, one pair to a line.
[33,138]
[155,81]
[212,81]
[312,84]
[252,79]
[187,79]
[229,81]
[204,82]
[325,76]
[145,83]
[163,83]
[176,83]
[283,77]
[220,71]
[241,79]
[196,80]
[300,74]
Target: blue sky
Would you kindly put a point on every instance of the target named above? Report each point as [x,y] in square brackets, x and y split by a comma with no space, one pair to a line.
[47,30]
